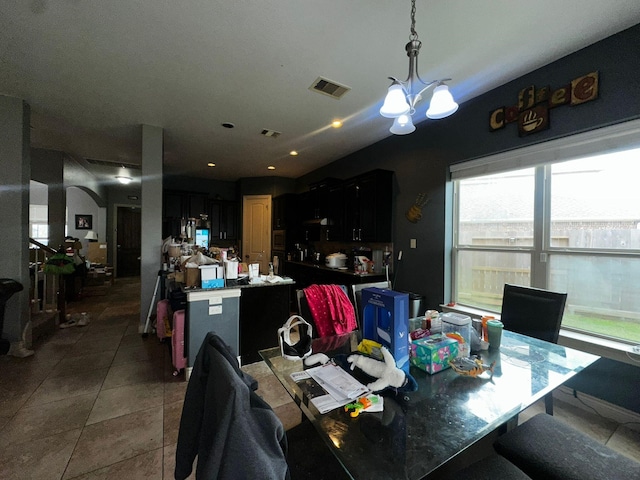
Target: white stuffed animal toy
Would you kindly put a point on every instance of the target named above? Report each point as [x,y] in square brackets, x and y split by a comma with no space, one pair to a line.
[386,372]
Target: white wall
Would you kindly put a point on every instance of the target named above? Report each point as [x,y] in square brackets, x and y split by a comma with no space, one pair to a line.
[80,203]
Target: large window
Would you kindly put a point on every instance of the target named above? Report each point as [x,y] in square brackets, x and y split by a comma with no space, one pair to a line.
[38,212]
[570,225]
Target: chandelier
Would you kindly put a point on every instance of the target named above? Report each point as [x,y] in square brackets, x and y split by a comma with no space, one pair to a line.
[401,100]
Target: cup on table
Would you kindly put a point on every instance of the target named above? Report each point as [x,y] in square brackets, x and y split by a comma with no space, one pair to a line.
[476,323]
[494,333]
[484,321]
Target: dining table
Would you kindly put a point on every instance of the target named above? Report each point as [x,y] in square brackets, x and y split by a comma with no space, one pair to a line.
[420,432]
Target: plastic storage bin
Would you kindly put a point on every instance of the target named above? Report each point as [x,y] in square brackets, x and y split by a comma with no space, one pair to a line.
[457,323]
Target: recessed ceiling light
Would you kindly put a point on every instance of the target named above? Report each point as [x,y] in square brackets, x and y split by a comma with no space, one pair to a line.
[293,153]
[336,124]
[124,180]
[228,125]
[211,164]
[271,167]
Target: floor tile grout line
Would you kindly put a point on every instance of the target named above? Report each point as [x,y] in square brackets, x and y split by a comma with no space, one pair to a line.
[96,398]
[71,455]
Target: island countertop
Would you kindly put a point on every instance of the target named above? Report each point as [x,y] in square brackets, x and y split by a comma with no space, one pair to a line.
[240,283]
[342,271]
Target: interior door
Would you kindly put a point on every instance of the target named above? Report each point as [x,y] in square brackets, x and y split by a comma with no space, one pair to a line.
[128,242]
[256,230]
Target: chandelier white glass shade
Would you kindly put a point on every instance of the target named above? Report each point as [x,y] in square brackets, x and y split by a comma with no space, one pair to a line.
[401,98]
[395,103]
[442,103]
[402,125]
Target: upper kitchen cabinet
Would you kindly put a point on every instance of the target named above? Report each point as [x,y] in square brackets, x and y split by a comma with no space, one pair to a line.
[178,206]
[197,205]
[173,204]
[223,216]
[334,231]
[314,203]
[284,211]
[367,200]
[172,213]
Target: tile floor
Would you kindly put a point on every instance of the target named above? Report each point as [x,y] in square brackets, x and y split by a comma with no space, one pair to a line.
[100,401]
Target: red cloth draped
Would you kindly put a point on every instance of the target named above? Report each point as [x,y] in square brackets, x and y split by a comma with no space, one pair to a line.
[331,309]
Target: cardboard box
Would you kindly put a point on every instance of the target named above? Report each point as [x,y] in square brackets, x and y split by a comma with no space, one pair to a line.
[178,277]
[211,276]
[97,252]
[192,277]
[432,354]
[385,319]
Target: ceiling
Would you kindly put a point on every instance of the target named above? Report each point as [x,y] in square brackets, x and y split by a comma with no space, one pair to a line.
[93,72]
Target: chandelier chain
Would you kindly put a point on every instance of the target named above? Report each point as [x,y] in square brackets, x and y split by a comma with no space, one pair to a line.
[414,34]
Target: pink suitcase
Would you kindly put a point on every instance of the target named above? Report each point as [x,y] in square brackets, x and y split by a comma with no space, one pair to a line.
[163,319]
[177,343]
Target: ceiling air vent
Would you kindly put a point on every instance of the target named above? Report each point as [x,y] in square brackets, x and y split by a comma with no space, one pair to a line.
[270,133]
[327,87]
[109,163]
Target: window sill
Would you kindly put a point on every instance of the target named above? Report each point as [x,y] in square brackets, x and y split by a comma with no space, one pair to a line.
[603,347]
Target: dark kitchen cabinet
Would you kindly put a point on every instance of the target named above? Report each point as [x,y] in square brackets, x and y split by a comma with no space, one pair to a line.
[262,311]
[335,213]
[313,204]
[223,216]
[179,206]
[367,200]
[305,207]
[173,204]
[197,205]
[285,210]
[172,213]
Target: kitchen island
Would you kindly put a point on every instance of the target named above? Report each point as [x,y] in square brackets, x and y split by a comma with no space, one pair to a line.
[246,316]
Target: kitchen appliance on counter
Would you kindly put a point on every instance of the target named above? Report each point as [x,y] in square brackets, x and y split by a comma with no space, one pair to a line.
[336,260]
[202,237]
[357,252]
[279,240]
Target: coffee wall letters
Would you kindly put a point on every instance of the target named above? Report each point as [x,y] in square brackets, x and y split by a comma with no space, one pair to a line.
[532,111]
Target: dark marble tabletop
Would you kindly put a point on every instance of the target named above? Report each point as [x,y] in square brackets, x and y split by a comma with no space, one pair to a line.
[421,431]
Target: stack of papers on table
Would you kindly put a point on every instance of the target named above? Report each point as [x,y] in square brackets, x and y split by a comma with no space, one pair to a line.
[328,387]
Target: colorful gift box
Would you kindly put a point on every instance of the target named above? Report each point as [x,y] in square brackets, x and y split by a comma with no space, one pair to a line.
[432,354]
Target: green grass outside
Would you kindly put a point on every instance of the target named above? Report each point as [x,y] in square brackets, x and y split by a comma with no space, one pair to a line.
[627,330]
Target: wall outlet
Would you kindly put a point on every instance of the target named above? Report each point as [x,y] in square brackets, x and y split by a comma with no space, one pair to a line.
[413,243]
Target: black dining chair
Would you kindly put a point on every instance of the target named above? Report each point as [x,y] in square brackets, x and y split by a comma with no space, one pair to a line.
[536,313]
[234,433]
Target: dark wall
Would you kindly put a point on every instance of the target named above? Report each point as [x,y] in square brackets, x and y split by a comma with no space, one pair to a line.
[421,160]
[219,189]
[273,186]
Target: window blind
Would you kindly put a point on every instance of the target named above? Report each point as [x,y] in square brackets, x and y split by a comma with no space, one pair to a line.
[621,136]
